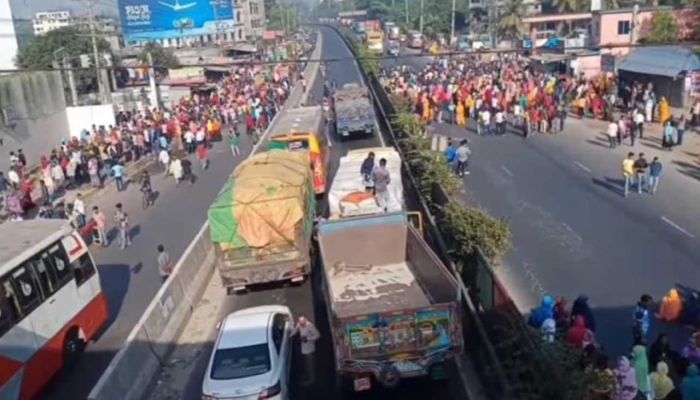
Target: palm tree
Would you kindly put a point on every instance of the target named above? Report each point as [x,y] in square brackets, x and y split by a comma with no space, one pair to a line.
[511,23]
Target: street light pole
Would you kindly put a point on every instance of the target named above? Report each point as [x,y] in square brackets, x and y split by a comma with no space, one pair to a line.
[406,5]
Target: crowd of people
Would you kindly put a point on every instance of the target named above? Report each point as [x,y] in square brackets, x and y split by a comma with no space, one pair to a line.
[244,101]
[653,370]
[506,89]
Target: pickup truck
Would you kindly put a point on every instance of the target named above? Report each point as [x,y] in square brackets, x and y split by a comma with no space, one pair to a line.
[262,221]
[353,112]
[392,305]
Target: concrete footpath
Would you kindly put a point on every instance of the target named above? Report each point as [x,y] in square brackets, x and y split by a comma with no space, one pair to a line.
[154,346]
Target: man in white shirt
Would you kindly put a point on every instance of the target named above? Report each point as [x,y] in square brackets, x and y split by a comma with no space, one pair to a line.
[13,177]
[79,207]
[639,123]
[309,335]
[500,123]
[612,133]
[164,159]
[486,121]
[189,141]
[200,136]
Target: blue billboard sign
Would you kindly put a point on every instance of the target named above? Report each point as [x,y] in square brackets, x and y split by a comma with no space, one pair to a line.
[164,19]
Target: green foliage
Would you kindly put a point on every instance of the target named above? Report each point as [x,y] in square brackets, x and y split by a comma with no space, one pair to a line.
[511,23]
[282,17]
[469,227]
[664,27]
[570,5]
[162,57]
[368,61]
[472,228]
[401,104]
[41,53]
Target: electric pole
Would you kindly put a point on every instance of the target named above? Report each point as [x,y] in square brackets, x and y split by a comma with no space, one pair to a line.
[452,26]
[154,98]
[405,2]
[98,76]
[71,81]
[421,17]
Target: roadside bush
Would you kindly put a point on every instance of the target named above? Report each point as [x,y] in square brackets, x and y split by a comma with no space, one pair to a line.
[471,228]
[366,60]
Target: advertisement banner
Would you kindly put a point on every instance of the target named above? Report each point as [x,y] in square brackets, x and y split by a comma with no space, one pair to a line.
[165,19]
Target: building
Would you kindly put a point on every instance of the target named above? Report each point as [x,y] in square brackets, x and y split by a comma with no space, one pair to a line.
[252,18]
[8,36]
[48,21]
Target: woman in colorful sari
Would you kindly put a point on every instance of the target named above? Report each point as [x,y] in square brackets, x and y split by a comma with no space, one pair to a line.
[664,111]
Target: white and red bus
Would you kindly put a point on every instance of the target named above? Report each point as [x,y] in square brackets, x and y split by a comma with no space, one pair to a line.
[51,303]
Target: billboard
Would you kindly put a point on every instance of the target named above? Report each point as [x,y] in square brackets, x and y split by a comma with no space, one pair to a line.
[165,19]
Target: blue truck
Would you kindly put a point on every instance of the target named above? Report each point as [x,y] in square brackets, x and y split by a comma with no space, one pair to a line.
[353,112]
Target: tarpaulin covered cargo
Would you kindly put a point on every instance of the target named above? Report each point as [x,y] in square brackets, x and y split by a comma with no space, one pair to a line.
[265,203]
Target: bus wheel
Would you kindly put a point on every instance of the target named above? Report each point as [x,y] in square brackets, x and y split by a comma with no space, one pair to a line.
[73,346]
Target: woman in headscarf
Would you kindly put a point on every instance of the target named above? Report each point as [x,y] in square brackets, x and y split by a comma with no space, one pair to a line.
[578,336]
[661,350]
[671,306]
[543,312]
[664,111]
[691,351]
[641,368]
[625,381]
[661,384]
[690,385]
[581,307]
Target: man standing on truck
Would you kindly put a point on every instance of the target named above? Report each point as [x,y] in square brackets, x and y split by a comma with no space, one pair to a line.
[381,179]
[366,171]
[308,335]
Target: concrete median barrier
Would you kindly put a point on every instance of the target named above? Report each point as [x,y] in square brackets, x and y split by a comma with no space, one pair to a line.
[132,370]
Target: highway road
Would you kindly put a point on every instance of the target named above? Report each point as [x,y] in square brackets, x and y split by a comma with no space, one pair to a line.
[129,277]
[305,298]
[574,232]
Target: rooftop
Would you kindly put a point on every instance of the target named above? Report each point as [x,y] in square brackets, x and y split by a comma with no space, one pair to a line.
[17,238]
[668,61]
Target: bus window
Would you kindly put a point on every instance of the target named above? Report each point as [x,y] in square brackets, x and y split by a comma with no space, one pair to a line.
[83,268]
[57,260]
[46,281]
[25,290]
[8,310]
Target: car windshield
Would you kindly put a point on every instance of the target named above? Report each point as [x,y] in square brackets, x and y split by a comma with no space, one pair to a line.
[240,362]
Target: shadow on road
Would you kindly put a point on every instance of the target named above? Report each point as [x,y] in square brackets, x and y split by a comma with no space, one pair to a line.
[115,280]
[598,142]
[688,169]
[614,185]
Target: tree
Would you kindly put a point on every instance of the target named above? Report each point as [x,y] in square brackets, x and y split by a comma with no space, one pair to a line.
[43,51]
[163,58]
[663,28]
[511,23]
[282,17]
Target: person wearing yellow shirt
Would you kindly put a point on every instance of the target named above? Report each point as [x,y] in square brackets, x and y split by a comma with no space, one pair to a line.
[628,171]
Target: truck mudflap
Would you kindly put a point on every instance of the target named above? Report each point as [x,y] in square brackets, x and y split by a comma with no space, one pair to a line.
[390,373]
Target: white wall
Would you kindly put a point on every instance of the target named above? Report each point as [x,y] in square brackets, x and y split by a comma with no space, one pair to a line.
[85,117]
[8,36]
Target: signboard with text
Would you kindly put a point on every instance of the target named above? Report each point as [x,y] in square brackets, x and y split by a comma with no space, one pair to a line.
[144,20]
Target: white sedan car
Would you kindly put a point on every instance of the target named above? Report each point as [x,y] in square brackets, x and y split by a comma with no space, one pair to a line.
[251,356]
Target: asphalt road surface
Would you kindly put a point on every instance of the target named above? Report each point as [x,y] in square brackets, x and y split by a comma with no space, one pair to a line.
[574,232]
[130,277]
[305,298]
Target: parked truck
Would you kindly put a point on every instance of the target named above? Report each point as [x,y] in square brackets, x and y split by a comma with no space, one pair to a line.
[262,221]
[392,305]
[348,195]
[353,112]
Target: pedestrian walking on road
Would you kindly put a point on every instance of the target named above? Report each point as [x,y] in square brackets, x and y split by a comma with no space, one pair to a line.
[628,171]
[612,133]
[79,207]
[308,335]
[176,170]
[121,220]
[203,155]
[654,175]
[164,160]
[669,132]
[642,319]
[118,173]
[100,225]
[640,170]
[638,118]
[235,141]
[165,266]
[462,155]
[680,130]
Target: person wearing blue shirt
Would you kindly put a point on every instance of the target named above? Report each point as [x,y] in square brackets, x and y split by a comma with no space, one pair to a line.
[163,141]
[450,153]
[118,173]
[654,175]
[642,319]
[669,133]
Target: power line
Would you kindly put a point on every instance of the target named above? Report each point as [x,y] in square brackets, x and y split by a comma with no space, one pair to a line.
[350,58]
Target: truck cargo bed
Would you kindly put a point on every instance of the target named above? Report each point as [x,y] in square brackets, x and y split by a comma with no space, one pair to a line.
[377,288]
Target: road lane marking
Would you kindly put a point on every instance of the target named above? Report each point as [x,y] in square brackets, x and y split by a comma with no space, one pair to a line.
[678,227]
[583,167]
[507,171]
